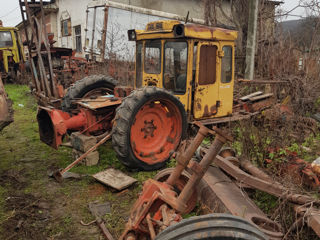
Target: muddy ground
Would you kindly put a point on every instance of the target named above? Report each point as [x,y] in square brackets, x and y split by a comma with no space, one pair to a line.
[35,206]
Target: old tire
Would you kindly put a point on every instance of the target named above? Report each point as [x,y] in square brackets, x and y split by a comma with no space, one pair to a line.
[88,86]
[212,226]
[148,127]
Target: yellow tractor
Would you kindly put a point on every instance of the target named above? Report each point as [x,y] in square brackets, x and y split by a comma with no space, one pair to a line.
[194,62]
[195,65]
[184,73]
[11,53]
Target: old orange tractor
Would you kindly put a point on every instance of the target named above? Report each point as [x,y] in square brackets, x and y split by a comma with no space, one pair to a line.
[184,73]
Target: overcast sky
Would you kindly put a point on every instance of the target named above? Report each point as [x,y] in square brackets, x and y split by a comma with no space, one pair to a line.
[10,11]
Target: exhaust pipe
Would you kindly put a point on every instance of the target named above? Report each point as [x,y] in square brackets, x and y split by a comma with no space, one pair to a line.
[54,124]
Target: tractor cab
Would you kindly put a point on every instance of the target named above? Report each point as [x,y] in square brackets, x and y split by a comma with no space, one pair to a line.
[195,62]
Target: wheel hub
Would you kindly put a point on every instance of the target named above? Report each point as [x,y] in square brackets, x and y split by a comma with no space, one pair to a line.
[148,129]
[156,131]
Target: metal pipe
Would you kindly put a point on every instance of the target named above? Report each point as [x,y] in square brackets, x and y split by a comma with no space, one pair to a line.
[184,158]
[202,168]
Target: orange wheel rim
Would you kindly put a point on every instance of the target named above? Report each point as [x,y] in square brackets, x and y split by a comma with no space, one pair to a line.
[156,131]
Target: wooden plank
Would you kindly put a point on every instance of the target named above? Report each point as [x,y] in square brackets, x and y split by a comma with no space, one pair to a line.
[114,178]
[261,97]
[98,103]
[251,95]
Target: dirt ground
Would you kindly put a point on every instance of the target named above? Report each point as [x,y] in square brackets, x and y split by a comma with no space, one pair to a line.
[35,206]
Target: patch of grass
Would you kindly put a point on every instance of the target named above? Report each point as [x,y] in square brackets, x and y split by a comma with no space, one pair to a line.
[266,202]
[3,192]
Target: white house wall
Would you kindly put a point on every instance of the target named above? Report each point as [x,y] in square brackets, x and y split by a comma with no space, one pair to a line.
[76,10]
[119,22]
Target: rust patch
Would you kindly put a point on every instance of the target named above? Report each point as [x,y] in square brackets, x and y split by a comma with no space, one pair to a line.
[122,91]
[200,28]
[198,104]
[213,111]
[170,140]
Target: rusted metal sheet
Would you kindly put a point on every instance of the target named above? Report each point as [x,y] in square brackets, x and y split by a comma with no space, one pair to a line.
[221,195]
[122,91]
[6,111]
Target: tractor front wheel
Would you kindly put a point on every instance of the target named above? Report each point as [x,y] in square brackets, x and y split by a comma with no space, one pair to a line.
[148,127]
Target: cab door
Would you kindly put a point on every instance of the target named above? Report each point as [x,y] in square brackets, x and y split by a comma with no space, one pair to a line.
[226,80]
[206,93]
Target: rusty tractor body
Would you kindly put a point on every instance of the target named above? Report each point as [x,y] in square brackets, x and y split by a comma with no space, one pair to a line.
[6,111]
[11,54]
[184,72]
[195,62]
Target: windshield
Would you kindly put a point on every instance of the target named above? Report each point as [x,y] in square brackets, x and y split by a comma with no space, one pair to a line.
[152,57]
[5,39]
[175,68]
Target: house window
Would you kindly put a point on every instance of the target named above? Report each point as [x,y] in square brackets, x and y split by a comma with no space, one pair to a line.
[77,33]
[66,27]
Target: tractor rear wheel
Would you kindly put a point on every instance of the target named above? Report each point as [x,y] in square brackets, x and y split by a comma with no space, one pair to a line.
[90,86]
[211,227]
[148,127]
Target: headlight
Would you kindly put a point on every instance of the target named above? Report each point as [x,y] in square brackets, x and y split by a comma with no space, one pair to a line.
[132,35]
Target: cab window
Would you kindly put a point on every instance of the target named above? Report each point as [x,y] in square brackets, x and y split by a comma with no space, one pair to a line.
[152,57]
[226,65]
[5,39]
[175,66]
